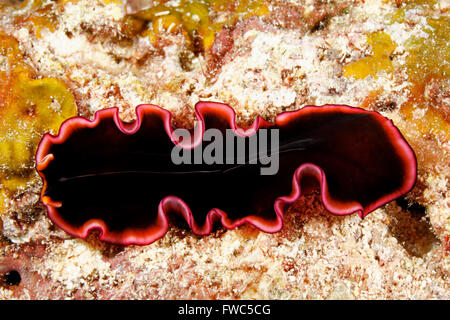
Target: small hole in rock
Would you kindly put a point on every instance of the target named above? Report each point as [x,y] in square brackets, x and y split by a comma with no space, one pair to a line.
[411,227]
[12,278]
[413,207]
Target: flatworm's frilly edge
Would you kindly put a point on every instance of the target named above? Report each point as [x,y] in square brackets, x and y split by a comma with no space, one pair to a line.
[119,178]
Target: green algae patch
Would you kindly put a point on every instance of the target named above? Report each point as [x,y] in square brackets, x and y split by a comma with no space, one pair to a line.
[197,19]
[382,48]
[29,107]
[430,55]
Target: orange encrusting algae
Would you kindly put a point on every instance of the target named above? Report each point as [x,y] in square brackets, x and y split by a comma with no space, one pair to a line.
[198,20]
[40,14]
[29,107]
[428,61]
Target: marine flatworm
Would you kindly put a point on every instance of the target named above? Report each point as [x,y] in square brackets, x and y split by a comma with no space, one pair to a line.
[119,177]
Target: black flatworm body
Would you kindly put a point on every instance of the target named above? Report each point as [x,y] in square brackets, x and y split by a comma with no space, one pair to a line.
[120,177]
